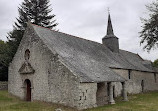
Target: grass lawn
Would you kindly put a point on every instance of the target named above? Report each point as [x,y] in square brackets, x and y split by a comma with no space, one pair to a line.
[140,102]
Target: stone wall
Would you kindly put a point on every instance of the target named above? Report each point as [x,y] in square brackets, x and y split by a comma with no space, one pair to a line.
[92,95]
[4,85]
[134,82]
[63,84]
[87,95]
[66,89]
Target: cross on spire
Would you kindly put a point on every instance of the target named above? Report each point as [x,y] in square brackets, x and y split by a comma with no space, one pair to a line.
[108,10]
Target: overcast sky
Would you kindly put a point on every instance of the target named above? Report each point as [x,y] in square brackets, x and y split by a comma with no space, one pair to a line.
[88,19]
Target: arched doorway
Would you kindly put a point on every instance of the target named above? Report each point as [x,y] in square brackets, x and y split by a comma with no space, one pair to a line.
[28,90]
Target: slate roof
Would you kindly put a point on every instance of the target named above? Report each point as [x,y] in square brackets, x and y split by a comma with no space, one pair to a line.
[90,61]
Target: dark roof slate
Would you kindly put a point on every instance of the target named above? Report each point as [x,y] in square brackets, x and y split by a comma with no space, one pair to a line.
[90,61]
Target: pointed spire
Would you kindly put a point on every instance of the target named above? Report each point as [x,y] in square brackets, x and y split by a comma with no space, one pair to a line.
[110,40]
[109,27]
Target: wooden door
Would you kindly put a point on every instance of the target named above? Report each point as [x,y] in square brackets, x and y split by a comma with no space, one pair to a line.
[28,91]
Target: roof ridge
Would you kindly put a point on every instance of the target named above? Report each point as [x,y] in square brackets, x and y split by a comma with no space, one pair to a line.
[65,34]
[133,53]
[128,51]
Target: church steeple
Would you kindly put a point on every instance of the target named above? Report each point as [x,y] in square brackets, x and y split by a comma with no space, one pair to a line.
[109,27]
[110,40]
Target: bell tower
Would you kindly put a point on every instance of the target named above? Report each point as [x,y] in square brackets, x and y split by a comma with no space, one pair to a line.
[110,40]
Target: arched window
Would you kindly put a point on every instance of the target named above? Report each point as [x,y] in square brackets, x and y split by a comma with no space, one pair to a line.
[27,54]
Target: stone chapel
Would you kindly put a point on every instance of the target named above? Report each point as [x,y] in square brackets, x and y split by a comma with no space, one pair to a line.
[55,67]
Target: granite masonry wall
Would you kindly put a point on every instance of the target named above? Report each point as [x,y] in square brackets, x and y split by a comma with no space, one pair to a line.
[137,81]
[63,84]
[87,95]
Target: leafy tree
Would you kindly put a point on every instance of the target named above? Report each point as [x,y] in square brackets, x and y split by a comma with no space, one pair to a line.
[155,63]
[149,33]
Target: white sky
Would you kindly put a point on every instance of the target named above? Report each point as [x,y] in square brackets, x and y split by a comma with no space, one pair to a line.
[88,19]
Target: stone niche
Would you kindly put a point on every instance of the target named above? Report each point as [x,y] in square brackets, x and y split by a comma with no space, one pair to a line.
[26,68]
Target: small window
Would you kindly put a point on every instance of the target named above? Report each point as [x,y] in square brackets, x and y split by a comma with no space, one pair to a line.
[142,85]
[108,88]
[155,77]
[27,54]
[85,98]
[129,74]
[80,97]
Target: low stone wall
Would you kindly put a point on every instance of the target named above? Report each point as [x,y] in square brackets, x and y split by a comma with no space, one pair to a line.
[3,85]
